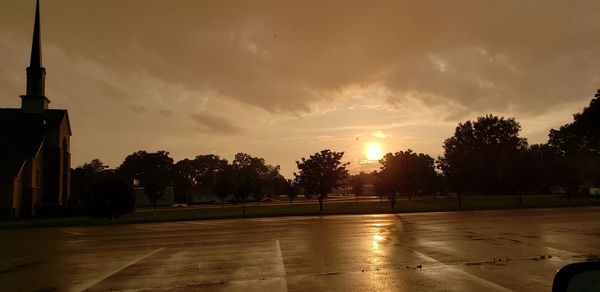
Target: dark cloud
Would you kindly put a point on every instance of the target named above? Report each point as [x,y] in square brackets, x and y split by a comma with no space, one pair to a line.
[215,125]
[286,56]
[340,68]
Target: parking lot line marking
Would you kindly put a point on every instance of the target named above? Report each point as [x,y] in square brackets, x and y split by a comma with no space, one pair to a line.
[482,281]
[281,266]
[94,282]
[71,232]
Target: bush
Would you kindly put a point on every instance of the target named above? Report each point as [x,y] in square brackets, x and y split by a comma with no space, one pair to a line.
[111,197]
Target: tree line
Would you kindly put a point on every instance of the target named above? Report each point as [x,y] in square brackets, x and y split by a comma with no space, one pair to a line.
[489,157]
[486,156]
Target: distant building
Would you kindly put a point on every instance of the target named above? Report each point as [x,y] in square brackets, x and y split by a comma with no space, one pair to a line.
[34,146]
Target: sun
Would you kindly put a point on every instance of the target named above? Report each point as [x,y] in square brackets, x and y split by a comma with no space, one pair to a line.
[373,151]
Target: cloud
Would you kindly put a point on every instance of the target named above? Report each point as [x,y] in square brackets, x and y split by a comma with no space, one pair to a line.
[189,70]
[380,134]
[216,125]
[287,58]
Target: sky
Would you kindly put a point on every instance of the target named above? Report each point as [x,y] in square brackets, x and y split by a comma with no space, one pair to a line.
[284,79]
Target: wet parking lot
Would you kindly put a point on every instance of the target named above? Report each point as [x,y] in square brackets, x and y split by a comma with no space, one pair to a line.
[455,251]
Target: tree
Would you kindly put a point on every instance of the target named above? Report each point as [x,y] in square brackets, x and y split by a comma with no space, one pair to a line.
[577,146]
[184,181]
[292,190]
[248,174]
[273,182]
[82,179]
[111,197]
[385,187]
[408,173]
[483,156]
[542,165]
[198,175]
[358,184]
[207,168]
[153,170]
[321,173]
[224,185]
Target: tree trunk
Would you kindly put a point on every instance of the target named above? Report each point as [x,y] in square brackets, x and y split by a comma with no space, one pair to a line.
[392,202]
[321,203]
[520,199]
[290,202]
[409,197]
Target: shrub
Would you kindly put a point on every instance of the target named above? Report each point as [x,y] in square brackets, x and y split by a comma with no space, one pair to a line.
[111,197]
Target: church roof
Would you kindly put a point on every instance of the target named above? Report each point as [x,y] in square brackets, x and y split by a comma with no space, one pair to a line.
[22,135]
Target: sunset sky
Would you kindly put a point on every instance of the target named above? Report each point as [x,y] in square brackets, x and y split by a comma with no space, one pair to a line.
[284,79]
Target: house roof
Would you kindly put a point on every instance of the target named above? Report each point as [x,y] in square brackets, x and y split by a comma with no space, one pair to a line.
[22,135]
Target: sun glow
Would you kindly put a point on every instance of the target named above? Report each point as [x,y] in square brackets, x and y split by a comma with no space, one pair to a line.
[373,151]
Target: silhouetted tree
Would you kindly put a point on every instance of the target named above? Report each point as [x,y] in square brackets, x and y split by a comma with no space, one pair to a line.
[82,179]
[358,185]
[207,168]
[273,182]
[439,185]
[385,187]
[542,165]
[153,170]
[484,156]
[378,187]
[111,197]
[577,146]
[292,191]
[198,175]
[321,173]
[224,186]
[184,180]
[408,173]
[155,191]
[248,177]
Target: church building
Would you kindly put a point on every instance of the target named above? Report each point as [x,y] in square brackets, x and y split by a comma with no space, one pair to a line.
[34,146]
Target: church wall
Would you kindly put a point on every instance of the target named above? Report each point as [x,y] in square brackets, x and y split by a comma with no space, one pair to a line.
[7,189]
[57,165]
[51,178]
[37,182]
[17,195]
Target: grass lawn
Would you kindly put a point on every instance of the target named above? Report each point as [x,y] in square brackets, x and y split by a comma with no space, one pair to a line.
[253,211]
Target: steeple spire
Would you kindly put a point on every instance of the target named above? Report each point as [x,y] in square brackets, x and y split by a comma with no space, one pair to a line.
[34,100]
[36,44]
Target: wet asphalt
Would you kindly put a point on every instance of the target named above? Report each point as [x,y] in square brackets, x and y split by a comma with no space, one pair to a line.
[455,251]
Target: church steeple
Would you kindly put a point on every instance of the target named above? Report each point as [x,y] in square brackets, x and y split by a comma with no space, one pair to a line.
[35,101]
[36,44]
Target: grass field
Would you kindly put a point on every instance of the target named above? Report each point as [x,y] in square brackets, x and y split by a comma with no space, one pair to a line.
[253,211]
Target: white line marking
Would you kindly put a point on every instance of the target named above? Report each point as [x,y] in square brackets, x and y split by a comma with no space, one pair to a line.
[477,279]
[71,232]
[193,222]
[281,267]
[93,283]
